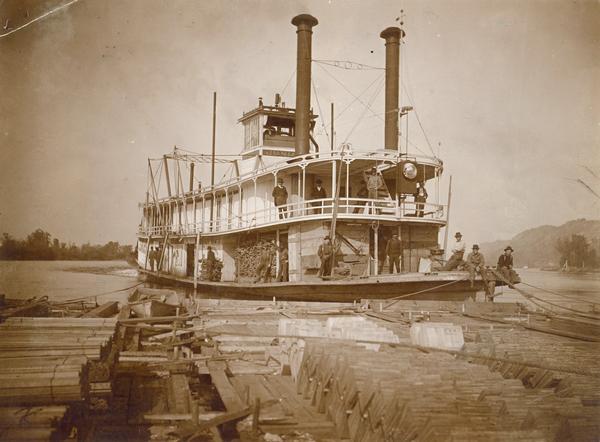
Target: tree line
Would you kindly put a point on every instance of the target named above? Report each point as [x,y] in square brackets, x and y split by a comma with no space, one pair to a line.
[578,252]
[39,245]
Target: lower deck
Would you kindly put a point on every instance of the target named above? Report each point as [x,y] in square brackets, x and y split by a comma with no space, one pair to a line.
[449,286]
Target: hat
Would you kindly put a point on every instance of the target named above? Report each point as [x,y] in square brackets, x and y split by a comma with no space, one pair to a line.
[508,248]
[394,234]
[457,234]
[280,180]
[327,237]
[319,181]
[475,246]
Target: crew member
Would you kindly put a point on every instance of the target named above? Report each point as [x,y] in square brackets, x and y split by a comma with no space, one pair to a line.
[280,196]
[325,253]
[505,263]
[475,263]
[363,193]
[263,271]
[420,198]
[458,251]
[211,260]
[152,258]
[283,273]
[393,250]
[374,182]
[318,193]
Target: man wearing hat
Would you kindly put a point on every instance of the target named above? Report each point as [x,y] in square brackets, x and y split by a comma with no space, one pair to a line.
[505,262]
[325,253]
[458,251]
[318,193]
[280,196]
[475,263]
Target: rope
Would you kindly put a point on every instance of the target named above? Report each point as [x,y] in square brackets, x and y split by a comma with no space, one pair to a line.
[288,82]
[529,297]
[83,298]
[52,11]
[559,294]
[397,298]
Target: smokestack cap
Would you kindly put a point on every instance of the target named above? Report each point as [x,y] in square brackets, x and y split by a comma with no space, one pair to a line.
[305,19]
[392,32]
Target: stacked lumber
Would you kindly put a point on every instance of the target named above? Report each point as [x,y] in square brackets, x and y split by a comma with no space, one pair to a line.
[35,423]
[405,394]
[47,360]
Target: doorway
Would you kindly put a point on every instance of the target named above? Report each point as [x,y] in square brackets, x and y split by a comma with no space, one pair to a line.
[191,254]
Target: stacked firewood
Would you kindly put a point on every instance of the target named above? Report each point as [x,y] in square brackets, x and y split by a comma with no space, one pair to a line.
[247,258]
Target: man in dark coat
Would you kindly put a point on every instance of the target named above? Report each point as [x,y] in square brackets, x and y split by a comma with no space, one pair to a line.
[282,274]
[325,252]
[505,263]
[280,196]
[211,260]
[475,264]
[318,193]
[420,199]
[263,271]
[393,251]
[362,193]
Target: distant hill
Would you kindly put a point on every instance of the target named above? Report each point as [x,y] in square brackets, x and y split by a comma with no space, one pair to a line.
[536,247]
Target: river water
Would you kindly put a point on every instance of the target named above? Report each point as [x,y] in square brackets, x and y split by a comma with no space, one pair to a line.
[65,280]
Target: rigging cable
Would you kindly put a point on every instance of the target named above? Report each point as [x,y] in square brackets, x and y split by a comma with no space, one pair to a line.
[347,90]
[348,65]
[368,107]
[44,15]
[321,112]
[288,82]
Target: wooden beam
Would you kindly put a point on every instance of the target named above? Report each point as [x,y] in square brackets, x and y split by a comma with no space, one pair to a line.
[105,310]
[229,396]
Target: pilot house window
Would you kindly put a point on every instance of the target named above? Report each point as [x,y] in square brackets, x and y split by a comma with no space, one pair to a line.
[251,133]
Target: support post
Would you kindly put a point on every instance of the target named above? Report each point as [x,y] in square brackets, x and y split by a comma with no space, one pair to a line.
[168,180]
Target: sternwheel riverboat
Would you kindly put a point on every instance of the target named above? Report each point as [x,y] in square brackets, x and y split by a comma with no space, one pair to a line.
[235,215]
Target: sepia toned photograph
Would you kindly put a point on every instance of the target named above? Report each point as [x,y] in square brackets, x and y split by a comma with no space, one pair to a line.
[299,220]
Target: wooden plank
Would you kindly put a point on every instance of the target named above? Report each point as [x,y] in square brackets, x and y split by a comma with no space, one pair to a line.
[105,310]
[230,398]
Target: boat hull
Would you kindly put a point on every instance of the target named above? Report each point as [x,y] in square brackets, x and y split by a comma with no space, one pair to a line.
[450,286]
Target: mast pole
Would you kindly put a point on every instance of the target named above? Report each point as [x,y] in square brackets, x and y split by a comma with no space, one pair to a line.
[212,165]
[214,128]
[448,215]
[332,142]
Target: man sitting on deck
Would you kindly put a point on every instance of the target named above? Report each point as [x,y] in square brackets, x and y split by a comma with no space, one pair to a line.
[475,263]
[505,265]
[458,251]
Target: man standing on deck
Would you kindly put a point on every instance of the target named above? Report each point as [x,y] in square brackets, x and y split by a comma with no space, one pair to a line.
[282,274]
[458,251]
[211,260]
[325,253]
[393,251]
[280,196]
[317,194]
[263,271]
[152,258]
[475,263]
[363,193]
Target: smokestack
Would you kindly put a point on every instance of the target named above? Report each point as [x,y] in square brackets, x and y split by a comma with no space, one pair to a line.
[304,23]
[392,38]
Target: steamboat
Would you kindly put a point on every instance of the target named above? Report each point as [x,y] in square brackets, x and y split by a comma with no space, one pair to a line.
[182,224]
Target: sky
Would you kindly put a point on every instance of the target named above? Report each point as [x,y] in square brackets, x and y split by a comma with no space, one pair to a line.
[507,93]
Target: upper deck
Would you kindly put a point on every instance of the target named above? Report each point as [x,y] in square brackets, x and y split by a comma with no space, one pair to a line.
[244,201]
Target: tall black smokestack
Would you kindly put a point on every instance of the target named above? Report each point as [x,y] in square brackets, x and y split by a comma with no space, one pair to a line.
[392,81]
[304,23]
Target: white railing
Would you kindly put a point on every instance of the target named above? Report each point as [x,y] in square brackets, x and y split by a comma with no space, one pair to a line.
[347,208]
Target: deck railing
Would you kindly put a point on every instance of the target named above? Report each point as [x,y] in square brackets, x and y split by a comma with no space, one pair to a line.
[347,208]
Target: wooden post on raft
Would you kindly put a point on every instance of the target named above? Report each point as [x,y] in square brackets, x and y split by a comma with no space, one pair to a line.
[448,215]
